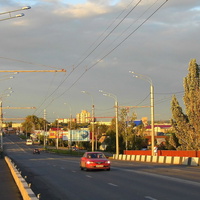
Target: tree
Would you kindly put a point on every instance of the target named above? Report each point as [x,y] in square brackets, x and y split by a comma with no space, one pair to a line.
[187,125]
[126,125]
[32,123]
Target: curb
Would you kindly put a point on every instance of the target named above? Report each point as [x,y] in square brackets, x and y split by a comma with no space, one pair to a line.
[25,190]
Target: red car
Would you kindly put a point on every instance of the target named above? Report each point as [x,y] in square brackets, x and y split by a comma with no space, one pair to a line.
[94,160]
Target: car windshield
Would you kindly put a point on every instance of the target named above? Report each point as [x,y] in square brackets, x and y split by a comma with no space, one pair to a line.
[95,155]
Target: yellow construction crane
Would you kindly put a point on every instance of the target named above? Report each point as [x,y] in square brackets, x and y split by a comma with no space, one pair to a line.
[8,107]
[13,119]
[59,70]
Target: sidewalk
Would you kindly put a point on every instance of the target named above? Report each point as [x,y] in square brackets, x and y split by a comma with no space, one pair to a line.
[8,188]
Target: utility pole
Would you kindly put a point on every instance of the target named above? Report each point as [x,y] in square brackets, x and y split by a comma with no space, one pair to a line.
[1,123]
[45,129]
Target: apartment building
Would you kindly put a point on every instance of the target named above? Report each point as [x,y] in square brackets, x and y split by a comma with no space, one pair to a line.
[83,117]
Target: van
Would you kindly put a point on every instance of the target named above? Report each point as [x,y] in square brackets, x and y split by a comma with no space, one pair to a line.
[29,142]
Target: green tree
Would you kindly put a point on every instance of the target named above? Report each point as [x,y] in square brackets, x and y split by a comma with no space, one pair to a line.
[126,125]
[187,125]
[32,123]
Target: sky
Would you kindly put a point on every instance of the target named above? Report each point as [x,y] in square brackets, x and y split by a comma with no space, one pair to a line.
[97,43]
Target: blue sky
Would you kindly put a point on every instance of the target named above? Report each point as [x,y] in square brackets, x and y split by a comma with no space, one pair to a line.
[98,43]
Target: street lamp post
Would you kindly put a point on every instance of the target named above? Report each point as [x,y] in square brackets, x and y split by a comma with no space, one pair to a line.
[149,80]
[92,118]
[15,16]
[70,125]
[57,137]
[1,113]
[1,123]
[116,118]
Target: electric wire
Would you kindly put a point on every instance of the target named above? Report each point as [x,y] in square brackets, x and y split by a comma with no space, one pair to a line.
[144,21]
[90,53]
[101,35]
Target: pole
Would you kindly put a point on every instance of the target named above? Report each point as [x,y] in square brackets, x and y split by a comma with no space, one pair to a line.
[70,125]
[92,118]
[148,79]
[45,128]
[97,138]
[116,117]
[117,130]
[152,119]
[92,127]
[57,136]
[1,123]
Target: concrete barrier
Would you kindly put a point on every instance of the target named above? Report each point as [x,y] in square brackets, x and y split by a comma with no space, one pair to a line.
[194,161]
[138,157]
[154,159]
[133,157]
[168,160]
[143,158]
[148,158]
[116,156]
[123,157]
[161,159]
[185,161]
[120,157]
[176,160]
[26,192]
[128,157]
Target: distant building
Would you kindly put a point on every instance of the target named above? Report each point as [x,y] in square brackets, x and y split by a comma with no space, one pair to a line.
[83,117]
[104,123]
[66,120]
[158,129]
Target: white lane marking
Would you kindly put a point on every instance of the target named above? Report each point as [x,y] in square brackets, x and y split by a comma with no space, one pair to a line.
[113,184]
[161,176]
[148,197]
[88,176]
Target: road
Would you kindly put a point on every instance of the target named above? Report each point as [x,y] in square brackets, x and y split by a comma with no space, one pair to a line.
[58,177]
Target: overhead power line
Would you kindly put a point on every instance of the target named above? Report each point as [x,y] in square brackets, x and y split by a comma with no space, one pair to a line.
[108,53]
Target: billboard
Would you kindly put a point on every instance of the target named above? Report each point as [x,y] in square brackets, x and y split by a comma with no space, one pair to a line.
[71,135]
[55,134]
[77,135]
[80,135]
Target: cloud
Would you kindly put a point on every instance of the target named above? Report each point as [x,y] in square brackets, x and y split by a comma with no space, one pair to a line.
[61,34]
[82,10]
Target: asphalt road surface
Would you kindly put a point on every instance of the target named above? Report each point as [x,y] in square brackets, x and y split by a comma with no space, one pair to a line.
[57,177]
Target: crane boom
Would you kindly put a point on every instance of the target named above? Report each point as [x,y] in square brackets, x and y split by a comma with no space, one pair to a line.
[18,107]
[59,70]
[13,119]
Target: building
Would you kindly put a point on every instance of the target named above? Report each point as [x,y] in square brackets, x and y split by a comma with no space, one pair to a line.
[66,120]
[83,117]
[160,129]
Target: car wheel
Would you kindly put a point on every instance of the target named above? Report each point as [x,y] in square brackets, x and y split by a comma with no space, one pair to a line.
[81,168]
[108,169]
